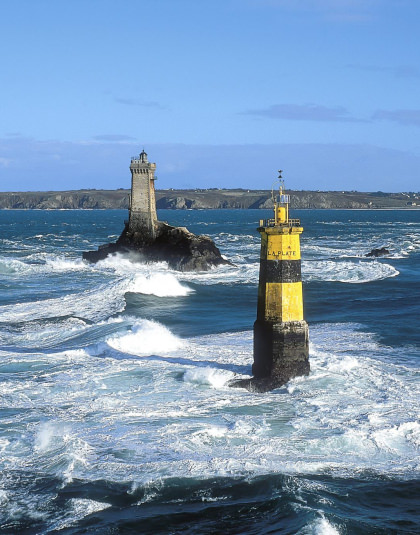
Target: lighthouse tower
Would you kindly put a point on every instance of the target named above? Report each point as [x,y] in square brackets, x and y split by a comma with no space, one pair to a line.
[143,217]
[281,342]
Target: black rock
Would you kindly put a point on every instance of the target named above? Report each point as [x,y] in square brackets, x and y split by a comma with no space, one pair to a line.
[378,252]
[180,248]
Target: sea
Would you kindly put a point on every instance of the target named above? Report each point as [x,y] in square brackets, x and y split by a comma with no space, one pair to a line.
[116,411]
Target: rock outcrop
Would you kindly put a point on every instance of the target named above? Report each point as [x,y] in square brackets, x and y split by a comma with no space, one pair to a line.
[180,248]
[378,252]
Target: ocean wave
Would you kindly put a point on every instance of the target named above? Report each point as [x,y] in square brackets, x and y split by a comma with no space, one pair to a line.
[240,273]
[129,263]
[208,376]
[160,285]
[61,443]
[56,332]
[346,271]
[63,264]
[160,281]
[146,338]
[352,413]
[320,526]
[10,266]
[94,304]
[41,263]
[76,510]
[100,302]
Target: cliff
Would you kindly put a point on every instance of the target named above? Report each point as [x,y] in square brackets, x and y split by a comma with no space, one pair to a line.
[204,199]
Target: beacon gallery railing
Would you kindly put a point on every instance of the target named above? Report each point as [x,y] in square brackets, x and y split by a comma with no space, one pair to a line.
[272,223]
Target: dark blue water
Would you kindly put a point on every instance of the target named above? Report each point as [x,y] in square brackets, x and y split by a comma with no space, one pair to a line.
[116,415]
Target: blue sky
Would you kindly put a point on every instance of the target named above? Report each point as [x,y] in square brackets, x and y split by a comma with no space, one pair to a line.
[221,93]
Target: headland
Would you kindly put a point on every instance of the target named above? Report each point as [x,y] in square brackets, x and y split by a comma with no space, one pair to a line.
[213,198]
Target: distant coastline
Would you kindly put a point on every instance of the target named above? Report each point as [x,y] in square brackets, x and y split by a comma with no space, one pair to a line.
[196,199]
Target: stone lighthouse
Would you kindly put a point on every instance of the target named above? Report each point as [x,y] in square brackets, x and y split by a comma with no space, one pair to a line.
[142,218]
[148,240]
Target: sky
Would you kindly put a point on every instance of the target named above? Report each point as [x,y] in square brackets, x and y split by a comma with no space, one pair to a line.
[220,93]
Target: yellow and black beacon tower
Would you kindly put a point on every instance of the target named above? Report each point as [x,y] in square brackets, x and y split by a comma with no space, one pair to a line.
[281,339]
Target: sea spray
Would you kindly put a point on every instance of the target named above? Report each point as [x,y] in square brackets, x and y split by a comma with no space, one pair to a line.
[91,435]
[146,338]
[160,285]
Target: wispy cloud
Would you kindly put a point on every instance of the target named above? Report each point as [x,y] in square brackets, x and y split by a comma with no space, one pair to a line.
[405,117]
[5,162]
[113,137]
[304,112]
[307,166]
[139,102]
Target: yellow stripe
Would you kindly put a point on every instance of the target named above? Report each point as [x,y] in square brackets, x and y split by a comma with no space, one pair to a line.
[283,301]
[280,247]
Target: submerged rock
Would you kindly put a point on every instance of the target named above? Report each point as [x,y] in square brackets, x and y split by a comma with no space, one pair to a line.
[180,248]
[378,252]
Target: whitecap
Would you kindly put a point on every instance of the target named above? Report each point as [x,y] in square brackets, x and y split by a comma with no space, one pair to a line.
[95,304]
[159,284]
[146,338]
[12,265]
[320,526]
[57,445]
[44,437]
[4,498]
[78,509]
[353,412]
[396,439]
[129,264]
[208,376]
[62,264]
[240,272]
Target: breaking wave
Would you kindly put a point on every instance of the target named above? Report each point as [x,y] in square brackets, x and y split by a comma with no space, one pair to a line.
[107,414]
[160,285]
[146,338]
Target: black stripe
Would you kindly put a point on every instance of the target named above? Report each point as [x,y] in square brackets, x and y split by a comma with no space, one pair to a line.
[280,271]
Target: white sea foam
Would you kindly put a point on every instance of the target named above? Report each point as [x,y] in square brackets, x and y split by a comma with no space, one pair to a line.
[160,285]
[95,304]
[353,412]
[146,338]
[12,265]
[209,376]
[70,452]
[320,526]
[356,272]
[4,498]
[78,508]
[44,437]
[125,264]
[43,263]
[98,413]
[83,507]
[362,240]
[398,437]
[50,333]
[243,273]
[62,264]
